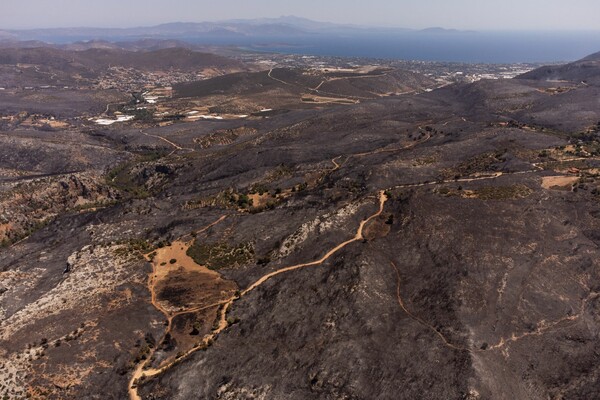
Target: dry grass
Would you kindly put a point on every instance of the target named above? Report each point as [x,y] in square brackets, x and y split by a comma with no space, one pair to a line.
[558,182]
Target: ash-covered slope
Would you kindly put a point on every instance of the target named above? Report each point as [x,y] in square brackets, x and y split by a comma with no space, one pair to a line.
[100,58]
[433,303]
[287,88]
[592,57]
[586,70]
[442,245]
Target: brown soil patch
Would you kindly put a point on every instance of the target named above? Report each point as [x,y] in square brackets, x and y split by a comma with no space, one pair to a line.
[259,200]
[558,182]
[189,295]
[222,322]
[377,229]
[55,124]
[187,332]
[593,171]
[4,229]
[326,100]
[181,290]
[180,283]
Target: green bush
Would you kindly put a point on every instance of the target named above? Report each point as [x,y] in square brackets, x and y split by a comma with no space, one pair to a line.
[221,255]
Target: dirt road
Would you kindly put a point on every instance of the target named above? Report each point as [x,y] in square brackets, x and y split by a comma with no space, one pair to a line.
[222,318]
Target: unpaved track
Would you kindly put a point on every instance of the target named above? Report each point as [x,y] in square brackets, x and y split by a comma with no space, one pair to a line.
[152,281]
[336,165]
[543,326]
[269,74]
[175,145]
[378,151]
[358,236]
[278,80]
[222,318]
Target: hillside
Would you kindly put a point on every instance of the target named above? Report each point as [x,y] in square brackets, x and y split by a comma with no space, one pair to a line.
[295,88]
[100,58]
[438,244]
[585,70]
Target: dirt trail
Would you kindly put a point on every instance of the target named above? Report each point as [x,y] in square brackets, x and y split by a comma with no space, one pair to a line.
[543,326]
[277,80]
[358,236]
[316,90]
[378,151]
[318,86]
[419,320]
[336,165]
[226,304]
[177,251]
[175,145]
[478,178]
[347,77]
[384,150]
[108,107]
[566,160]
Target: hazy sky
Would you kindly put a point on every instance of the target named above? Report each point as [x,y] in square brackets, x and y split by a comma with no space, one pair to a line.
[460,14]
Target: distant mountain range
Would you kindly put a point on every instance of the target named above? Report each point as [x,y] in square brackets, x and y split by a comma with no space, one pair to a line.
[286,26]
[294,35]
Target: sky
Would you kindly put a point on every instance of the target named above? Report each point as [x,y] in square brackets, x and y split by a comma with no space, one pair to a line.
[457,14]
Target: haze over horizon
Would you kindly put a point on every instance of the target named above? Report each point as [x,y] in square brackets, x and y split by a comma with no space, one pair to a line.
[543,15]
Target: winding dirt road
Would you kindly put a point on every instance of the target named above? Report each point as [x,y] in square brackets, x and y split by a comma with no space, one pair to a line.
[221,322]
[277,80]
[542,328]
[378,151]
[336,165]
[316,90]
[175,145]
[222,318]
[358,236]
[169,315]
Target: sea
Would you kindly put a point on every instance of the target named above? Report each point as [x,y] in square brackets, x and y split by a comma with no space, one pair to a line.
[468,47]
[493,47]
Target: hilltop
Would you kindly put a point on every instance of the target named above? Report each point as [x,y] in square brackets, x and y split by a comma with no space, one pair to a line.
[585,70]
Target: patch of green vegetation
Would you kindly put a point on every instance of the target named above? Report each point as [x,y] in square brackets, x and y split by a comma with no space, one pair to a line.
[489,192]
[390,220]
[270,205]
[503,192]
[95,204]
[258,188]
[224,199]
[142,114]
[544,154]
[281,171]
[221,255]
[480,163]
[137,247]
[243,201]
[123,178]
[29,229]
[144,348]
[230,199]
